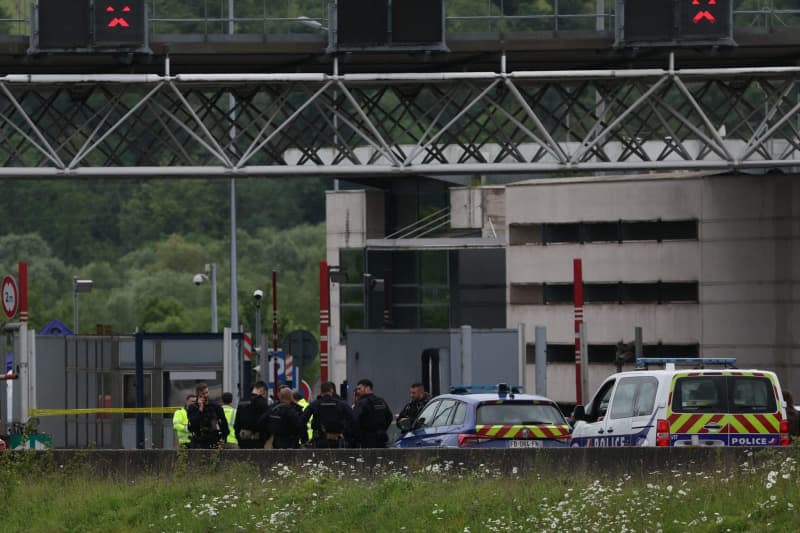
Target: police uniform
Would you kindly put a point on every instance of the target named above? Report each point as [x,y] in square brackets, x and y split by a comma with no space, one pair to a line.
[331,420]
[209,427]
[248,433]
[284,422]
[413,408]
[373,417]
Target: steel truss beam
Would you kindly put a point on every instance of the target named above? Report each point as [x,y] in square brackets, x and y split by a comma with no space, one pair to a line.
[221,125]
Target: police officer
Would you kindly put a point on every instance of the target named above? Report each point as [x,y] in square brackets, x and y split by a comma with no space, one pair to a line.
[248,433]
[285,422]
[206,421]
[419,398]
[230,416]
[180,423]
[302,403]
[331,418]
[373,417]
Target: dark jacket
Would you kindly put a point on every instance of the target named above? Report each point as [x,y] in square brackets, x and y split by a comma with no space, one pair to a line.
[284,422]
[248,433]
[332,421]
[413,408]
[373,417]
[208,427]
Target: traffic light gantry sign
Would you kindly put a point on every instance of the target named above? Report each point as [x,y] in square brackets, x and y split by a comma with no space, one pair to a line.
[90,24]
[674,22]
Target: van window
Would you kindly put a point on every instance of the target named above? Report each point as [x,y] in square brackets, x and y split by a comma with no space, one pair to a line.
[646,399]
[635,396]
[750,394]
[600,402]
[622,405]
[723,394]
[699,394]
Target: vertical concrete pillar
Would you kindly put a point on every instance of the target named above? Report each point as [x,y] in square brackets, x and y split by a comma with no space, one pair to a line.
[521,356]
[541,360]
[466,355]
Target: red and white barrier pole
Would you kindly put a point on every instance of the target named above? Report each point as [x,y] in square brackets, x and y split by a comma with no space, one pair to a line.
[23,291]
[577,283]
[324,319]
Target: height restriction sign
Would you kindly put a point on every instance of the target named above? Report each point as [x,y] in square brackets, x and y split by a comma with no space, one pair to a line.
[10,300]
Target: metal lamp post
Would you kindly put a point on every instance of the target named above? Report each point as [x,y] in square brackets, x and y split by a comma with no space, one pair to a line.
[78,285]
[211,277]
[258,295]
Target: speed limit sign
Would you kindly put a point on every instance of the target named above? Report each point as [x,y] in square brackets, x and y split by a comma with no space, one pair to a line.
[10,300]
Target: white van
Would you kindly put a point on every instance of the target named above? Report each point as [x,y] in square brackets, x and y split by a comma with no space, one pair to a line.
[687,407]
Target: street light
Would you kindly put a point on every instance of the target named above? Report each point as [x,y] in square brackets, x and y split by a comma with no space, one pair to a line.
[78,285]
[258,295]
[314,24]
[210,276]
[337,274]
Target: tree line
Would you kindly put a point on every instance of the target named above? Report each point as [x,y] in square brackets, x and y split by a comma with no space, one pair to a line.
[141,242]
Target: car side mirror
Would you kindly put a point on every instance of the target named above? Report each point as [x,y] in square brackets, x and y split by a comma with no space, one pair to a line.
[579,413]
[405,424]
[418,423]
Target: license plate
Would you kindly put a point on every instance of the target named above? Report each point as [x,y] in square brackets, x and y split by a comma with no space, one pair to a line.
[526,444]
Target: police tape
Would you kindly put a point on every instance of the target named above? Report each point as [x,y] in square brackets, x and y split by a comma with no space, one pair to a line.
[104,411]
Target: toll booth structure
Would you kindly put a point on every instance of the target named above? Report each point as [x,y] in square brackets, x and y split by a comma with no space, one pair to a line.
[74,376]
[437,358]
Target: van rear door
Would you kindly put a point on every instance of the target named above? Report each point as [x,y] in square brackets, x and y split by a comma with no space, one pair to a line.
[727,408]
[755,416]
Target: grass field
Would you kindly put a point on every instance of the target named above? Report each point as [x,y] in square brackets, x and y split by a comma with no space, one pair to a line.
[440,497]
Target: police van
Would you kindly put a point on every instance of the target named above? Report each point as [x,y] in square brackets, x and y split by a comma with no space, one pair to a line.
[700,406]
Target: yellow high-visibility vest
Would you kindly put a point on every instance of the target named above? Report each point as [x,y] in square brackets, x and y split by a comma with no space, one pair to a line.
[180,423]
[230,416]
[303,403]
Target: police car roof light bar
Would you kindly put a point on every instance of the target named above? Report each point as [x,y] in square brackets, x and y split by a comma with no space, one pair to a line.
[474,389]
[701,362]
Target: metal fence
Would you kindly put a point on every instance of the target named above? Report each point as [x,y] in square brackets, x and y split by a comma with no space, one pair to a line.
[270,17]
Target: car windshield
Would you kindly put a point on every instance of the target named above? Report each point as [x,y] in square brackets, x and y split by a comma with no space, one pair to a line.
[519,412]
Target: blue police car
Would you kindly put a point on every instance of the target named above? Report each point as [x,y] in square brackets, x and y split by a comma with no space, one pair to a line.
[502,418]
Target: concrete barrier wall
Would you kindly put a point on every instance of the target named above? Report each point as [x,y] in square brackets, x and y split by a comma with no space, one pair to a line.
[356,462]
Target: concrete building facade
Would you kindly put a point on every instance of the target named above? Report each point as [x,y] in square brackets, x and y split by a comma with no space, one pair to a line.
[705,264]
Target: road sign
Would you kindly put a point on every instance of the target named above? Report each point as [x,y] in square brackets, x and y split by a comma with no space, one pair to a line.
[120,23]
[10,297]
[674,23]
[302,345]
[305,389]
[62,24]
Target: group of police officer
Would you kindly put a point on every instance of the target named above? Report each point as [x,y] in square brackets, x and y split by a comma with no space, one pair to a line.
[291,422]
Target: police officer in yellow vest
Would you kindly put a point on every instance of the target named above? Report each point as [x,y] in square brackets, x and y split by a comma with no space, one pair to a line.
[303,403]
[230,416]
[180,423]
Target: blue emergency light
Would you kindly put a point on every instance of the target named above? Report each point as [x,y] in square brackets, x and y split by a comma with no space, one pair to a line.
[503,388]
[729,362]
